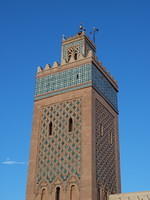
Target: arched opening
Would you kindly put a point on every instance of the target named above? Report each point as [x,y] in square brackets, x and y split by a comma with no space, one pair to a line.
[69,57]
[98,194]
[101,130]
[57,194]
[70,124]
[105,194]
[43,194]
[50,128]
[74,193]
[69,53]
[111,137]
[75,56]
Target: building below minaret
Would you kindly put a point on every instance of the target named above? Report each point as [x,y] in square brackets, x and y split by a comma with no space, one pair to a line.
[74,147]
[131,196]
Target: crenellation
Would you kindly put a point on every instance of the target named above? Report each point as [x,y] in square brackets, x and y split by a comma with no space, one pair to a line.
[55,65]
[47,67]
[100,63]
[39,69]
[90,54]
[108,75]
[102,69]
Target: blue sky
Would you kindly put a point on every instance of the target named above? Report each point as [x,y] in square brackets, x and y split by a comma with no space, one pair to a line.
[31,34]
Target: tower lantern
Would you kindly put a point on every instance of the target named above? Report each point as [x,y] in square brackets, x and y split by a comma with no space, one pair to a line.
[76,48]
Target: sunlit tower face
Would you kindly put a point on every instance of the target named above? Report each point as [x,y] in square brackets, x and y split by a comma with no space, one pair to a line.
[74,147]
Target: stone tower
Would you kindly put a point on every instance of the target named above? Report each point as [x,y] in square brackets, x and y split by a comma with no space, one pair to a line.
[74,147]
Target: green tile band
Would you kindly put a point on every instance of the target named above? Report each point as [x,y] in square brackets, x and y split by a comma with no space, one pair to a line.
[73,79]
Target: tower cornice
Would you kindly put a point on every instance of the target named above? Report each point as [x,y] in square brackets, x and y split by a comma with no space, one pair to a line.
[87,60]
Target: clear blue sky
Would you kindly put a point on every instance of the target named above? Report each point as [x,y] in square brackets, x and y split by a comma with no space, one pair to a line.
[30,35]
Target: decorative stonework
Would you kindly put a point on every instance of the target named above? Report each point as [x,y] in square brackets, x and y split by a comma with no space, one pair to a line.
[62,80]
[77,49]
[103,86]
[105,150]
[76,78]
[59,153]
[70,48]
[73,53]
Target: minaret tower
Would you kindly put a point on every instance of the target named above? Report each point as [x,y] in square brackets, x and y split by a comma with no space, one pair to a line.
[74,147]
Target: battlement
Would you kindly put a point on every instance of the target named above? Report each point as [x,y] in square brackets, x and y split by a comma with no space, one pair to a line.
[58,67]
[89,71]
[48,67]
[90,58]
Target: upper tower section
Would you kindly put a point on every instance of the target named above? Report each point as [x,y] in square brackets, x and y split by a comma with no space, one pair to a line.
[76,48]
[79,68]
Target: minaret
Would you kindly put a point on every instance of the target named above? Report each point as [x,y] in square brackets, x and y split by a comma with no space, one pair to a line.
[74,147]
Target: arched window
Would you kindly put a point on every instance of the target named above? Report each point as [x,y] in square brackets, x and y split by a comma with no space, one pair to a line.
[50,128]
[57,194]
[105,195]
[69,53]
[74,193]
[101,130]
[75,55]
[70,124]
[98,194]
[43,194]
[111,137]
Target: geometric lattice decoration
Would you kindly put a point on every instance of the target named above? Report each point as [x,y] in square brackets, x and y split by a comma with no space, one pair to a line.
[105,149]
[73,46]
[59,151]
[73,52]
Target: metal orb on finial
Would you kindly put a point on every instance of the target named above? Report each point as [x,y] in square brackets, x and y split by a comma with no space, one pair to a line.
[82,29]
[63,37]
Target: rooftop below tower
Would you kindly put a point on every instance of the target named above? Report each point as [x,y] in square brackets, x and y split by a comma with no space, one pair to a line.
[131,196]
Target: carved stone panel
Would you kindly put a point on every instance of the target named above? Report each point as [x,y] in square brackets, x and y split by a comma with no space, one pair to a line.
[105,149]
[59,148]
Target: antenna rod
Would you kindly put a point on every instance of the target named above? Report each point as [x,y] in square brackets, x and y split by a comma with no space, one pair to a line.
[94,31]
